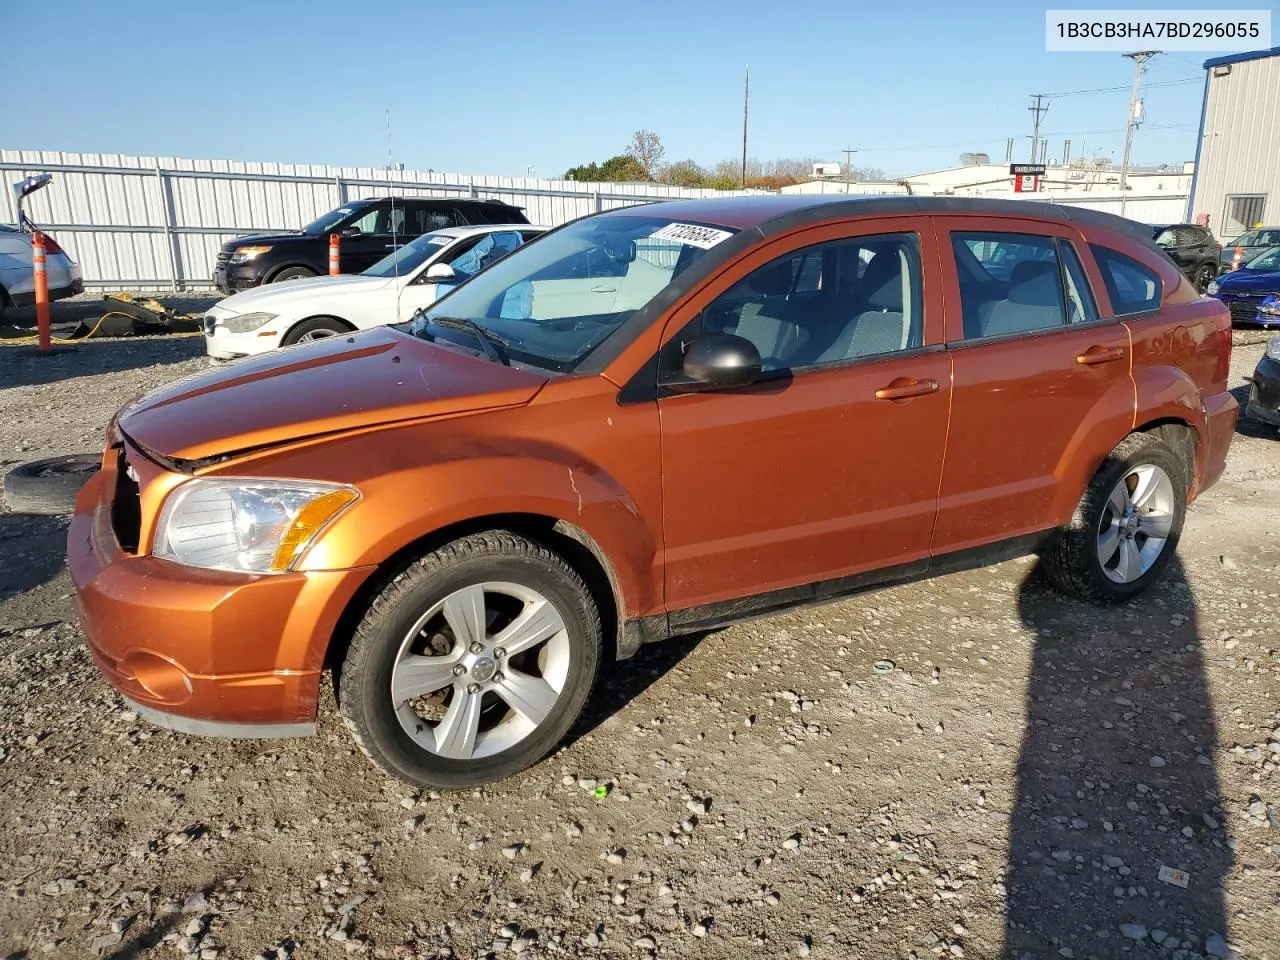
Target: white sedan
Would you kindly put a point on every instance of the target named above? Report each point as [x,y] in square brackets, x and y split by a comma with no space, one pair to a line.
[17,280]
[417,275]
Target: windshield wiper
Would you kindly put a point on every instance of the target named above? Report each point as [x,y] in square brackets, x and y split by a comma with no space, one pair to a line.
[488,341]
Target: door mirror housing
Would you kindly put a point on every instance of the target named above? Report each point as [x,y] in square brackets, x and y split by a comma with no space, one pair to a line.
[719,361]
[351,233]
[439,271]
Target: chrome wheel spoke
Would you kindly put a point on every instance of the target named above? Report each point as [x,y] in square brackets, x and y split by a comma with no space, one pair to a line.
[1149,481]
[536,622]
[1108,543]
[416,676]
[456,732]
[1119,499]
[1156,525]
[1129,567]
[464,612]
[531,697]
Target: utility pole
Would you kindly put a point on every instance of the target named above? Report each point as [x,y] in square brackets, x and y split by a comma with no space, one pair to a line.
[1038,110]
[848,166]
[746,99]
[1008,150]
[1139,60]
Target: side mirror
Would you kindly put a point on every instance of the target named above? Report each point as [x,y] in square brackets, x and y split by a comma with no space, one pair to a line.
[719,361]
[440,271]
[352,232]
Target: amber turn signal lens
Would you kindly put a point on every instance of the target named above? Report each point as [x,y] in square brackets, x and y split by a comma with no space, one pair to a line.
[310,520]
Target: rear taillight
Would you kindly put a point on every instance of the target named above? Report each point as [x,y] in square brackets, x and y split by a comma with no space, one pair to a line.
[51,245]
[1223,372]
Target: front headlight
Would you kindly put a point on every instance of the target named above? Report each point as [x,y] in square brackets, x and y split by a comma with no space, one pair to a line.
[1212,288]
[249,526]
[1270,306]
[244,322]
[245,254]
[1273,348]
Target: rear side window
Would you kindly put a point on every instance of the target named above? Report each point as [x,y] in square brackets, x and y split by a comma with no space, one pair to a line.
[1133,287]
[423,218]
[1009,283]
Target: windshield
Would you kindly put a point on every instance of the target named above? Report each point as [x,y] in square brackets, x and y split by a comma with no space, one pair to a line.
[410,256]
[328,221]
[1244,240]
[554,301]
[1266,261]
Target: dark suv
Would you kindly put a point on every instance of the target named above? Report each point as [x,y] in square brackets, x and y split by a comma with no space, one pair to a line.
[370,229]
[1193,248]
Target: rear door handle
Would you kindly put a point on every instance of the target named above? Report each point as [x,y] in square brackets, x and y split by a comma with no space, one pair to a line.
[603,289]
[904,387]
[1096,355]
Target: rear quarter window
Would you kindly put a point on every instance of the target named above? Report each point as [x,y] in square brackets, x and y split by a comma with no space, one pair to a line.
[1132,286]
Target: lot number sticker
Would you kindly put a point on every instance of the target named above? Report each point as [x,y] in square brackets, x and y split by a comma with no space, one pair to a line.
[692,234]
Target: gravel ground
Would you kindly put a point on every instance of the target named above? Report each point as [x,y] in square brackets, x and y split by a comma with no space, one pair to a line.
[1014,787]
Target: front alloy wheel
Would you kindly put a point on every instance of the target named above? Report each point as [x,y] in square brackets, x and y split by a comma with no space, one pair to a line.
[471,664]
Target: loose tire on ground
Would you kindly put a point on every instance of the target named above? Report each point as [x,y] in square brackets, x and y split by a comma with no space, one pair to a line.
[1074,562]
[399,634]
[49,486]
[317,328]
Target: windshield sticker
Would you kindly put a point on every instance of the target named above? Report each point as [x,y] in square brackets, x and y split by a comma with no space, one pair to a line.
[692,235]
[439,241]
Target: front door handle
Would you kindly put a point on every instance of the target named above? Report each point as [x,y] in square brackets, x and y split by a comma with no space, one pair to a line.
[904,387]
[1096,355]
[394,246]
[603,289]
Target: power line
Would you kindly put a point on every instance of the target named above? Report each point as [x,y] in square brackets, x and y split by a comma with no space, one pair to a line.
[1162,83]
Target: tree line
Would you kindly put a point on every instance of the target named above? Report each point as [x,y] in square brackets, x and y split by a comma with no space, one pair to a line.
[642,162]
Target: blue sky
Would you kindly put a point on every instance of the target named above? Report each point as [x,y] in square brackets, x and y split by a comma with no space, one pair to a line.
[500,86]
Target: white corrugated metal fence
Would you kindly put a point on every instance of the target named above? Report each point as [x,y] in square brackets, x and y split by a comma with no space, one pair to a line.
[157,222]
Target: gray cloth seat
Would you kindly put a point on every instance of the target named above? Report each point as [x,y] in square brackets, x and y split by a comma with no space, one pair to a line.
[872,322]
[770,324]
[1034,302]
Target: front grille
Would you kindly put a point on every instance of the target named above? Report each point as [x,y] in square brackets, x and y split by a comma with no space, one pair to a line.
[126,505]
[1242,310]
[224,256]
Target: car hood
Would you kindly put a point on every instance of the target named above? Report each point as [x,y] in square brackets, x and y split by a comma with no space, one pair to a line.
[286,236]
[1249,281]
[273,294]
[330,385]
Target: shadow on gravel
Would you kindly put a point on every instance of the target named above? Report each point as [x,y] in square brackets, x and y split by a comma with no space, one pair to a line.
[622,682]
[24,366]
[146,940]
[32,551]
[1116,780]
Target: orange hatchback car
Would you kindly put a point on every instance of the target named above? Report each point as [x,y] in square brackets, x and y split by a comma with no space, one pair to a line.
[647,422]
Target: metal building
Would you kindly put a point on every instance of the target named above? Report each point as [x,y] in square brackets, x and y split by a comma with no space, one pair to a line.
[1237,173]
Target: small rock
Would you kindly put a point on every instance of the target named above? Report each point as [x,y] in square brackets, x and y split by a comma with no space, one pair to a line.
[1134,931]
[696,806]
[616,857]
[194,927]
[645,943]
[196,903]
[699,929]
[1158,935]
[103,943]
[791,842]
[1217,946]
[1156,761]
[187,945]
[509,930]
[511,851]
[1228,563]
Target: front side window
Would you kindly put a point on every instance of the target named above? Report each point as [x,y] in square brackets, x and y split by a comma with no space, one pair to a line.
[552,302]
[1133,287]
[827,303]
[1009,283]
[328,221]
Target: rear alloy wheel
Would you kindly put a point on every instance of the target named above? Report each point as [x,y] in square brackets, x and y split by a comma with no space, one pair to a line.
[1204,275]
[472,664]
[317,328]
[1126,527]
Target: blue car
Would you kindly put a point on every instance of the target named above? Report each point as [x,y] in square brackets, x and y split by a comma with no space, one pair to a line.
[1250,292]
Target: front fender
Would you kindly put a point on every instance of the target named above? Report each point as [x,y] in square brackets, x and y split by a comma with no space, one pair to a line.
[401,507]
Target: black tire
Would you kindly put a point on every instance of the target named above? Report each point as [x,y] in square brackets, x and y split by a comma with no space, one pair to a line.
[293,273]
[49,486]
[364,683]
[1072,563]
[1205,273]
[314,329]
